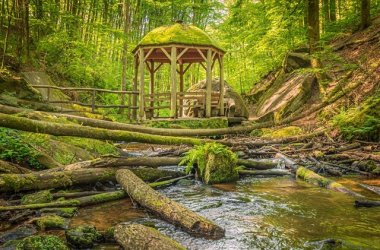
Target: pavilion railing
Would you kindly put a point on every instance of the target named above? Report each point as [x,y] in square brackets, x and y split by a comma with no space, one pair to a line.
[194,100]
[92,92]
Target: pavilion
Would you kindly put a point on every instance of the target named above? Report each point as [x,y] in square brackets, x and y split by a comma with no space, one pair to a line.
[181,46]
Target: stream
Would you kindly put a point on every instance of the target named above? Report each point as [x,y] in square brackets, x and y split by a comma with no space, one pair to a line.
[258,213]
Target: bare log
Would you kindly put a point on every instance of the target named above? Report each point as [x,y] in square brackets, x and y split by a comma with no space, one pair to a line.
[139,237]
[314,178]
[59,129]
[115,161]
[373,189]
[59,179]
[260,165]
[270,172]
[367,203]
[169,210]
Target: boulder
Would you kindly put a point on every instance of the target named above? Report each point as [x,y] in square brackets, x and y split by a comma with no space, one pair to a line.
[83,237]
[235,104]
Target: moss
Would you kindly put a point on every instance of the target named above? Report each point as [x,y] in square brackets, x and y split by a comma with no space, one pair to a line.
[15,182]
[214,163]
[107,196]
[50,222]
[108,235]
[178,34]
[282,132]
[97,147]
[368,166]
[312,177]
[215,122]
[83,236]
[40,197]
[66,212]
[41,242]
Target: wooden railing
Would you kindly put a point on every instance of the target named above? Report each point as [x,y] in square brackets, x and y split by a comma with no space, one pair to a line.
[195,100]
[128,97]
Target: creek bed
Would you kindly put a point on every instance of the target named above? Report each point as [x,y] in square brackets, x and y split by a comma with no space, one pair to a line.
[258,213]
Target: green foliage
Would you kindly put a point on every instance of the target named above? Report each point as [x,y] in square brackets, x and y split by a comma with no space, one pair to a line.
[41,242]
[216,122]
[361,122]
[13,148]
[36,198]
[199,156]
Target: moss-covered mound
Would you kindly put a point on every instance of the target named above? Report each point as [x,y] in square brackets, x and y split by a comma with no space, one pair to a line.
[39,197]
[178,33]
[83,237]
[213,162]
[40,242]
[50,222]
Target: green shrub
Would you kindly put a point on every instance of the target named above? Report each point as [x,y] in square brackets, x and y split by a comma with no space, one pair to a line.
[13,148]
[361,122]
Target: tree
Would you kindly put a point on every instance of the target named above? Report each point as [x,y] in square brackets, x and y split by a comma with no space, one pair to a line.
[365,14]
[313,24]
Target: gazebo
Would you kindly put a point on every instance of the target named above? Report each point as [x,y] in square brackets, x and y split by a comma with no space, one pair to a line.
[181,46]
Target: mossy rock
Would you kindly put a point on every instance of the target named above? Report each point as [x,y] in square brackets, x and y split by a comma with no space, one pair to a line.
[282,132]
[214,163]
[40,197]
[83,237]
[50,222]
[108,235]
[66,212]
[40,242]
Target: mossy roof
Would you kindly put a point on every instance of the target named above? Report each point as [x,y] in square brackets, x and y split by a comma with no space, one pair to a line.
[178,33]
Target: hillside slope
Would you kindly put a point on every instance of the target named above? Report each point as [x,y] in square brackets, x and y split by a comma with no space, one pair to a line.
[294,88]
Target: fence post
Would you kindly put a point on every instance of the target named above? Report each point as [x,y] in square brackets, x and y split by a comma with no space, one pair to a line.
[48,95]
[93,101]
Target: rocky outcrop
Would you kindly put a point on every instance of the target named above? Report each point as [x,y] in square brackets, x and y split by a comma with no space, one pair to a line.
[236,106]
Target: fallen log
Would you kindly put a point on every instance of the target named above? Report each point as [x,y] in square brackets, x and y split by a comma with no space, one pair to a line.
[139,237]
[11,168]
[373,189]
[166,208]
[270,172]
[314,178]
[260,165]
[59,129]
[367,203]
[88,200]
[60,179]
[115,161]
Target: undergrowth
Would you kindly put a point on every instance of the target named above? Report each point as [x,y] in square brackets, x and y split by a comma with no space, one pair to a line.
[13,148]
[361,122]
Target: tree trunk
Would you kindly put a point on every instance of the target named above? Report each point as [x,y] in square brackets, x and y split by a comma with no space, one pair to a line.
[169,210]
[258,164]
[139,237]
[365,14]
[270,172]
[88,132]
[126,5]
[313,24]
[332,10]
[373,189]
[10,168]
[367,203]
[124,162]
[60,179]
[311,177]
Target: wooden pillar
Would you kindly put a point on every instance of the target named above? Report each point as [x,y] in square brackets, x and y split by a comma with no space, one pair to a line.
[208,82]
[134,96]
[141,94]
[221,86]
[181,73]
[173,80]
[151,86]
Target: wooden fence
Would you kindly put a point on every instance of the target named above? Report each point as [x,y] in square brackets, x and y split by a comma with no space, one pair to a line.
[129,97]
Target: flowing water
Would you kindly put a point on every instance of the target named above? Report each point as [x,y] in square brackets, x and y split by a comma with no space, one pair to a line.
[258,213]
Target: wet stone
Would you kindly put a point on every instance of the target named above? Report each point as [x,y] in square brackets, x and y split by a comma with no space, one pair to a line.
[18,233]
